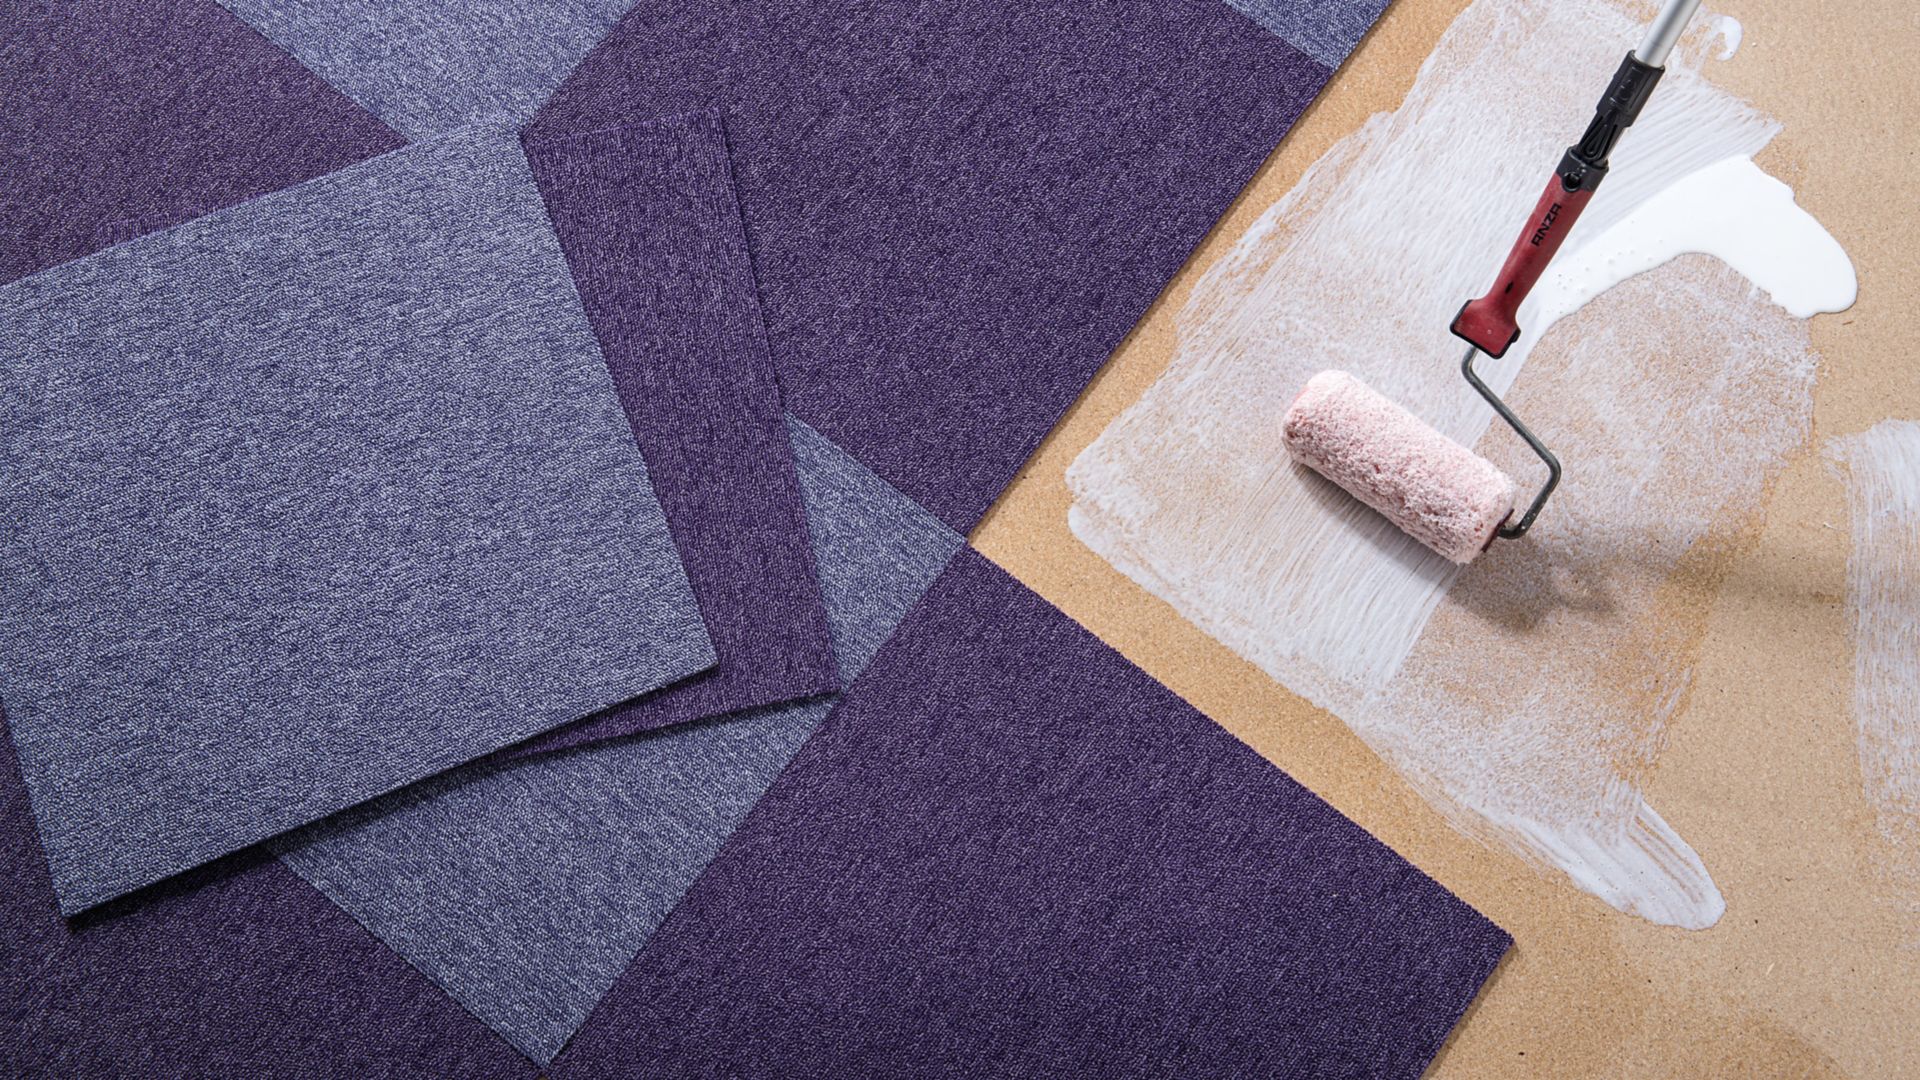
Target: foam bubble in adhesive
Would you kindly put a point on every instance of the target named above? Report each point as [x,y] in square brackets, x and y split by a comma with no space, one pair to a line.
[1526,695]
[1882,469]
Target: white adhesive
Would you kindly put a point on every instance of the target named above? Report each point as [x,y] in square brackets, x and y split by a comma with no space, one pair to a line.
[1728,30]
[1526,696]
[1731,210]
[1882,467]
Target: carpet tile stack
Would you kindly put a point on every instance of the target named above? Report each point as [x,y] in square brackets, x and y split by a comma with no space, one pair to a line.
[483,578]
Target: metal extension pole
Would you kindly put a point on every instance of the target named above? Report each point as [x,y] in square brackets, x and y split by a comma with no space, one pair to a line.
[1665,32]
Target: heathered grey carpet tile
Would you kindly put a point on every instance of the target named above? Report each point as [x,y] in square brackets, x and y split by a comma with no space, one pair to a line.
[122,117]
[309,499]
[1326,30]
[524,888]
[428,66]
[877,549]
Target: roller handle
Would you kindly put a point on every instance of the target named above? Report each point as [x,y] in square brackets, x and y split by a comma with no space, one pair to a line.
[1491,323]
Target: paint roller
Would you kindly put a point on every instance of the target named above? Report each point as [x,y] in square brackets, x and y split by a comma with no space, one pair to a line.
[1436,490]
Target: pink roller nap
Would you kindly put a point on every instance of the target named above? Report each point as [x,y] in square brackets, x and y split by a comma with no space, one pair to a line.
[1437,491]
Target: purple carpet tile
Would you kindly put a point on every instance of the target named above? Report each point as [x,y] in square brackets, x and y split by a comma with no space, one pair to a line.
[958,208]
[1009,852]
[647,217]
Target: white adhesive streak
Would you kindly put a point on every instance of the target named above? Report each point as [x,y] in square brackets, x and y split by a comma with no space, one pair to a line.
[1526,696]
[1728,29]
[1646,868]
[1731,210]
[1883,590]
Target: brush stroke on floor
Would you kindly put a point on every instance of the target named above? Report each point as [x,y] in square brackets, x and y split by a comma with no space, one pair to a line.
[1525,696]
[1882,470]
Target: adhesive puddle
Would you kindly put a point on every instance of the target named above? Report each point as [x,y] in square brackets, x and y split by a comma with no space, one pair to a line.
[1882,469]
[1667,361]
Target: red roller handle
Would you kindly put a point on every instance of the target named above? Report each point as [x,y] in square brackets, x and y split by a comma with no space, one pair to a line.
[1491,323]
